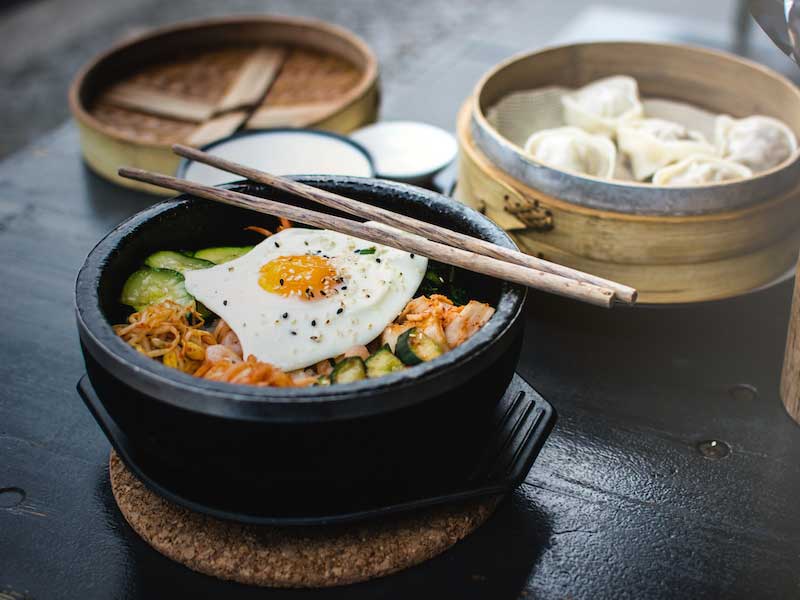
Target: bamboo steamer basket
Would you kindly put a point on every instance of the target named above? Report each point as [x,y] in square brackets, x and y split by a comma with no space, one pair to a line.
[323,77]
[675,245]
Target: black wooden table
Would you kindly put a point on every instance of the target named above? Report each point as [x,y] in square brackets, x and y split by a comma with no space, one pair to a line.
[673,470]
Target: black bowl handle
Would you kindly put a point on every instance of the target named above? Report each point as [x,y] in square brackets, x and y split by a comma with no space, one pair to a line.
[103,418]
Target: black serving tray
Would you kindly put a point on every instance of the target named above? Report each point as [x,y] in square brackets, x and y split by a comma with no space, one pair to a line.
[521,424]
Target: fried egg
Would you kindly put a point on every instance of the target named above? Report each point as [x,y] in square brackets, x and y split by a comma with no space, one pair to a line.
[303,295]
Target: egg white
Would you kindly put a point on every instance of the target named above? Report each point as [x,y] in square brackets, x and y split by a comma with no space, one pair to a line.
[375,290]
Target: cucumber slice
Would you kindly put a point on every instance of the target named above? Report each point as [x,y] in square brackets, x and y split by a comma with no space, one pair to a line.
[323,380]
[150,286]
[382,363]
[414,347]
[166,259]
[350,369]
[222,254]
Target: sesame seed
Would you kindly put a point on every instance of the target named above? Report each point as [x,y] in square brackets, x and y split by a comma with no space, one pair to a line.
[377,260]
[281,281]
[293,332]
[313,323]
[224,303]
[285,315]
[412,256]
[339,311]
[277,245]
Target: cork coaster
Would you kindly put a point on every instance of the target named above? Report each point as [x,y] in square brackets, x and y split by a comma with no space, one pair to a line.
[295,557]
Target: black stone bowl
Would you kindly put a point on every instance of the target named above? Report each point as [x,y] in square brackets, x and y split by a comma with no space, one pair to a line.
[301,447]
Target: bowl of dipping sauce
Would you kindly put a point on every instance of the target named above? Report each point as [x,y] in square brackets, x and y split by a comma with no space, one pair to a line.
[407,151]
[282,151]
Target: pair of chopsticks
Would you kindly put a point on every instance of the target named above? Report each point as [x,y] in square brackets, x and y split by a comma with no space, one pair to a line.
[397,231]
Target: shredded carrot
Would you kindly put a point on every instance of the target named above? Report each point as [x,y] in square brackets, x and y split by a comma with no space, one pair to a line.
[285,224]
[261,230]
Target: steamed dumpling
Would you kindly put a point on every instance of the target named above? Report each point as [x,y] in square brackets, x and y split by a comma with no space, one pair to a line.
[572,149]
[603,105]
[758,142]
[700,169]
[654,143]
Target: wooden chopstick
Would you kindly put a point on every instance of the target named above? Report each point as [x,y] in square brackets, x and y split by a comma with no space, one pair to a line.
[389,236]
[254,79]
[217,127]
[138,97]
[252,82]
[623,293]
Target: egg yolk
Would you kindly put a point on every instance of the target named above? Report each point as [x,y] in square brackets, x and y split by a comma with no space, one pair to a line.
[309,277]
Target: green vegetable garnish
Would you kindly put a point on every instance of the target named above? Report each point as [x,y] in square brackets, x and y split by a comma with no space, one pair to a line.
[440,279]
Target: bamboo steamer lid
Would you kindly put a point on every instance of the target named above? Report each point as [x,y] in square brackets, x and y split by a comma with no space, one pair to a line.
[675,245]
[200,81]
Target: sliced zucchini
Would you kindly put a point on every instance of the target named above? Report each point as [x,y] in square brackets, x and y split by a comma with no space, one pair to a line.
[383,362]
[414,347]
[350,369]
[222,254]
[323,380]
[150,286]
[167,259]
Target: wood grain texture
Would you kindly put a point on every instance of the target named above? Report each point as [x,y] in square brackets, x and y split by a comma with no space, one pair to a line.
[249,87]
[389,236]
[253,79]
[433,232]
[146,100]
[790,374]
[217,128]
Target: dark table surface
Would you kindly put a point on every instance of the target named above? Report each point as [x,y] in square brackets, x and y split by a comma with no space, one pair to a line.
[673,470]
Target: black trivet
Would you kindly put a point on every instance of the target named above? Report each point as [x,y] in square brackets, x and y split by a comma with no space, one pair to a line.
[522,422]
